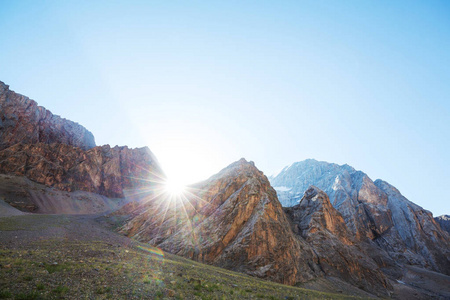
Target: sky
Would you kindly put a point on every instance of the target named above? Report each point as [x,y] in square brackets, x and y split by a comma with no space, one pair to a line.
[204,83]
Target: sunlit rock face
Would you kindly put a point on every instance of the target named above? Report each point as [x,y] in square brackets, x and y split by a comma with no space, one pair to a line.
[233,220]
[373,211]
[23,121]
[444,222]
[323,227]
[62,154]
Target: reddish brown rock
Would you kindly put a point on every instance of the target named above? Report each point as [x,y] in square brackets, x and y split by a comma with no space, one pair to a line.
[323,227]
[233,220]
[102,170]
[23,121]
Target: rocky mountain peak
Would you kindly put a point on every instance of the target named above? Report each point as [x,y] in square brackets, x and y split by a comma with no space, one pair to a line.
[232,220]
[315,212]
[444,222]
[23,121]
[324,228]
[372,211]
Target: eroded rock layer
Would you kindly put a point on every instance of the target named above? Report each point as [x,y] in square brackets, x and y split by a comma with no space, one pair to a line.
[102,170]
[23,121]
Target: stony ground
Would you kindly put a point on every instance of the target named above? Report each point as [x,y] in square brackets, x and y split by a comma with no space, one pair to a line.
[81,257]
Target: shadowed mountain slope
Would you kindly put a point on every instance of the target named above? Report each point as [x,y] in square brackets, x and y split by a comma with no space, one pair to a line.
[372,210]
[323,227]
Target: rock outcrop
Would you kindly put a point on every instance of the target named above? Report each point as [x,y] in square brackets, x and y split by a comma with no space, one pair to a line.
[103,170]
[23,121]
[323,227]
[62,154]
[233,220]
[444,222]
[373,211]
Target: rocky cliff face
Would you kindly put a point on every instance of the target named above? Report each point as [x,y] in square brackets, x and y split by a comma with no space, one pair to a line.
[323,227]
[23,121]
[415,238]
[444,222]
[62,154]
[372,210]
[232,220]
[102,170]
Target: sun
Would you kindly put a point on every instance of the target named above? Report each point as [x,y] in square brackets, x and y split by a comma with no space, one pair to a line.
[174,188]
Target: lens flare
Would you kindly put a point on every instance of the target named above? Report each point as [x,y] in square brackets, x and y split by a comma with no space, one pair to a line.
[174,188]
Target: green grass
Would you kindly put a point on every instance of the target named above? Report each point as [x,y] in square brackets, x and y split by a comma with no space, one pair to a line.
[60,289]
[98,269]
[52,268]
[4,294]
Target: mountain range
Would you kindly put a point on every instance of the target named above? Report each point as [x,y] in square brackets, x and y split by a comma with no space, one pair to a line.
[314,224]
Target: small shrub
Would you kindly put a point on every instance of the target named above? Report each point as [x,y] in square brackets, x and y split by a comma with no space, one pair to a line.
[5,294]
[60,289]
[53,268]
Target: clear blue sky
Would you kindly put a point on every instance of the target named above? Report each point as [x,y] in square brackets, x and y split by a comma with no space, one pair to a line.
[205,83]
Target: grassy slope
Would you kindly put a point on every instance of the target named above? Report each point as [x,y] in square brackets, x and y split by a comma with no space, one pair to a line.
[74,257]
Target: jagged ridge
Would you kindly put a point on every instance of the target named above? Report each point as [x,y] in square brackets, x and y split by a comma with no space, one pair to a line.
[372,210]
[23,121]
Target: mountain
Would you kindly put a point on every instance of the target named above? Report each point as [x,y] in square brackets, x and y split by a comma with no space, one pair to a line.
[373,211]
[444,222]
[23,121]
[234,220]
[103,170]
[338,231]
[323,227]
[62,154]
